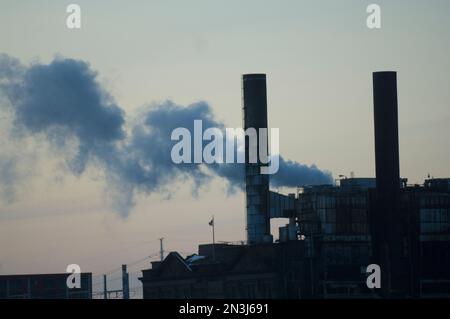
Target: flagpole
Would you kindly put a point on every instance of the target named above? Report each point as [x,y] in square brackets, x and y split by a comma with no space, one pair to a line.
[214,235]
[214,238]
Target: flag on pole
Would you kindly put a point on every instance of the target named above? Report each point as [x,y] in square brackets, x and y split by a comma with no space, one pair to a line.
[211,223]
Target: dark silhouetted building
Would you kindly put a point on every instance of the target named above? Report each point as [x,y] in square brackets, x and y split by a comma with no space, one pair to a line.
[323,252]
[44,286]
[237,271]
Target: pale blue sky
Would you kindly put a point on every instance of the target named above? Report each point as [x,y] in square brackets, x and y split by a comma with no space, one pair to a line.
[318,56]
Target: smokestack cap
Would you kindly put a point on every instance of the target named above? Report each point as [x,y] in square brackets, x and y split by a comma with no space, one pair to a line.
[254,76]
[384,73]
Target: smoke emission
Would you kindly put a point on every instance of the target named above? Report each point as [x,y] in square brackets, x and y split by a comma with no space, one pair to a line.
[63,103]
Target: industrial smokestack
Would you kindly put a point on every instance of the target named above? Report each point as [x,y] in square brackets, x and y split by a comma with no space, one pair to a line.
[386,133]
[388,239]
[256,184]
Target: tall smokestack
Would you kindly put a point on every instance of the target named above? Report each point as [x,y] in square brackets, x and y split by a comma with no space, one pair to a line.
[388,239]
[256,184]
[386,134]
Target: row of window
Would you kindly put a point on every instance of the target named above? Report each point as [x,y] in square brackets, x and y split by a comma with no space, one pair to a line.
[435,215]
[353,228]
[242,289]
[442,201]
[435,228]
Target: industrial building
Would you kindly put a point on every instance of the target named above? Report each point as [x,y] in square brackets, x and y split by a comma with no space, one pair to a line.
[334,231]
[231,271]
[44,286]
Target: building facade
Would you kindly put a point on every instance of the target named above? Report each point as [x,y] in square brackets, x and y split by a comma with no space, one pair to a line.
[44,286]
[323,251]
[233,271]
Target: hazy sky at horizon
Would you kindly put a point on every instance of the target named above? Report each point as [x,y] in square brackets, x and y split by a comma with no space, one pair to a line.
[318,57]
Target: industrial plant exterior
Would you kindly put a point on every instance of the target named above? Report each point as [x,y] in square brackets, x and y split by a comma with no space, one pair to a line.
[334,231]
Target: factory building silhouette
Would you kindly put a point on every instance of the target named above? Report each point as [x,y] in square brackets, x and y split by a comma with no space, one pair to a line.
[334,231]
[44,286]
